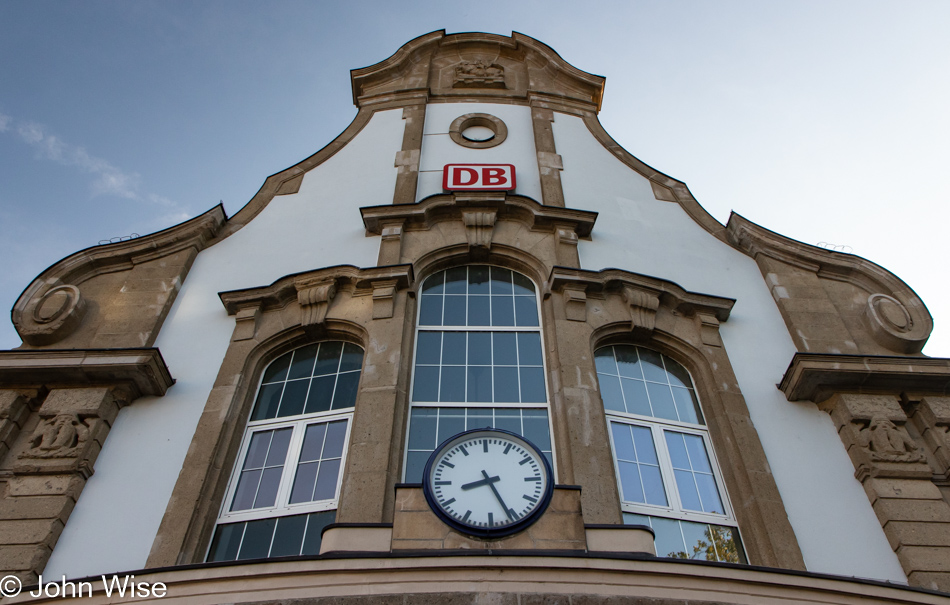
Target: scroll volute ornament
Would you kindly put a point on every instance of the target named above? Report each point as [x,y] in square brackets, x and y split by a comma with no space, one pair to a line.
[50,317]
[643,306]
[893,324]
[314,298]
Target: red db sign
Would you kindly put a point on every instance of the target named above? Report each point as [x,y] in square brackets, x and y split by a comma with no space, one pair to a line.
[478,177]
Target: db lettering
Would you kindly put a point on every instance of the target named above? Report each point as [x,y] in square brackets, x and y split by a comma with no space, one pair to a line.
[491,177]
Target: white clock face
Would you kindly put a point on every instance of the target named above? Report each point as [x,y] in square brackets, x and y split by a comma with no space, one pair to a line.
[488,482]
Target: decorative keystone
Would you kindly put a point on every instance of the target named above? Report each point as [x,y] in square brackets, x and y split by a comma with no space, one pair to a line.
[479,227]
[314,298]
[643,306]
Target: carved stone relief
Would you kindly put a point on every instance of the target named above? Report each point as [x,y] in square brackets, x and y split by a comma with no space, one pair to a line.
[61,436]
[52,316]
[479,74]
[887,443]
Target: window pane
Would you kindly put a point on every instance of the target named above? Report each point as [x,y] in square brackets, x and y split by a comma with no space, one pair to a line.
[321,394]
[347,386]
[532,385]
[500,281]
[479,311]
[689,497]
[698,543]
[426,385]
[435,284]
[508,420]
[686,405]
[227,540]
[502,311]
[610,392]
[522,285]
[268,401]
[479,348]
[295,393]
[653,485]
[246,490]
[451,422]
[336,434]
[536,428]
[326,480]
[313,442]
[503,346]
[669,539]
[257,538]
[627,362]
[454,311]
[604,360]
[429,348]
[478,418]
[302,366]
[352,358]
[315,524]
[623,442]
[257,450]
[652,365]
[506,385]
[635,393]
[529,348]
[288,537]
[328,359]
[643,440]
[304,482]
[277,370]
[478,279]
[431,312]
[630,482]
[662,401]
[677,447]
[267,492]
[698,459]
[452,384]
[526,311]
[677,374]
[456,281]
[479,384]
[709,494]
[422,428]
[278,447]
[415,464]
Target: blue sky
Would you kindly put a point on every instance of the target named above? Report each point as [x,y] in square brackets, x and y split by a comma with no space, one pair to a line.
[826,121]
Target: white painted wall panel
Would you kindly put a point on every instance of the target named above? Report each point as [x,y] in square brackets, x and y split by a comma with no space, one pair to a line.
[836,528]
[438,149]
[119,512]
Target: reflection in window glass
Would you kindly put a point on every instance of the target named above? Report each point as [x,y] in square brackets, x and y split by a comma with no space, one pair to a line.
[688,540]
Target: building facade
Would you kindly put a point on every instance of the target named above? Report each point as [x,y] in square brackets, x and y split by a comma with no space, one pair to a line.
[243,408]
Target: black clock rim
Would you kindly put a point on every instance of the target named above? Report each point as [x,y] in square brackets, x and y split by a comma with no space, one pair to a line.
[501,532]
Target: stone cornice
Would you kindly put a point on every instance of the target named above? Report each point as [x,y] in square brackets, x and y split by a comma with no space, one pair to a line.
[877,281]
[669,293]
[141,371]
[287,289]
[443,207]
[817,376]
[520,66]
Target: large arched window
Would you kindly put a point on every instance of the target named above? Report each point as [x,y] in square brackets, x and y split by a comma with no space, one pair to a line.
[478,361]
[666,471]
[286,482]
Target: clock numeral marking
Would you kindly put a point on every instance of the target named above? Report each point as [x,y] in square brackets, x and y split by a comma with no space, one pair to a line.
[507,447]
[485,445]
[443,483]
[529,498]
[525,461]
[448,464]
[468,514]
[447,502]
[491,520]
[527,479]
[513,515]
[464,451]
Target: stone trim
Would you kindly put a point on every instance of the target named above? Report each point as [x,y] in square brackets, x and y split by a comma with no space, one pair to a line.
[623,307]
[506,578]
[890,319]
[364,306]
[496,125]
[139,371]
[817,376]
[550,163]
[407,160]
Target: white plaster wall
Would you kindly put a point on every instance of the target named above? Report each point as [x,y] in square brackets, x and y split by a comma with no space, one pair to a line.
[438,149]
[837,530]
[118,515]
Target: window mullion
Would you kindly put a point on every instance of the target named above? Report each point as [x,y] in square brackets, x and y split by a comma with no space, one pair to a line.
[666,467]
[290,464]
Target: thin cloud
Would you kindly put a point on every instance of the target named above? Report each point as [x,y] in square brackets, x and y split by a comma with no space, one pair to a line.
[108,178]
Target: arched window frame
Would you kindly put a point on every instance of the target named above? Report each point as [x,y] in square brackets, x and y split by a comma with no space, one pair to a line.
[674,509]
[412,456]
[311,515]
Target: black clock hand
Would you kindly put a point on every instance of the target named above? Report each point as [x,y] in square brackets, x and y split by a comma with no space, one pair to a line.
[491,484]
[486,481]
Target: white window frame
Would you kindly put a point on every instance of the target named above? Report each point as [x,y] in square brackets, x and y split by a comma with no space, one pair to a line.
[282,506]
[546,405]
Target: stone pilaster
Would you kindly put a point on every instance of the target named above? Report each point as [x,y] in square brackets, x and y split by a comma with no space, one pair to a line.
[897,479]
